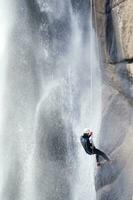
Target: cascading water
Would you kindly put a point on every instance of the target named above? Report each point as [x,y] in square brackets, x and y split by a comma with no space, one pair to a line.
[90,116]
[5,28]
[55,93]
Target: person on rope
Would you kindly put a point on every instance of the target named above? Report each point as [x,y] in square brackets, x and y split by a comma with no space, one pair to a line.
[89,147]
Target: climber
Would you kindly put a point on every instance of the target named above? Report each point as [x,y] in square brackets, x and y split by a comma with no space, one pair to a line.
[88,145]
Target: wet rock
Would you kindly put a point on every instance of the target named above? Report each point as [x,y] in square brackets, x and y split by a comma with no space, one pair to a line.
[115,181]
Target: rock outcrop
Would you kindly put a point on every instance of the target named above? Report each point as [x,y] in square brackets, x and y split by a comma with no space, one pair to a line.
[113,22]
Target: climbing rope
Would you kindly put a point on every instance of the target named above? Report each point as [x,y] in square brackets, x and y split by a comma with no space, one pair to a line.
[95,26]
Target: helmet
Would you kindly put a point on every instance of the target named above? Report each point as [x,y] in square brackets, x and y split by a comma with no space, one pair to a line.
[87,130]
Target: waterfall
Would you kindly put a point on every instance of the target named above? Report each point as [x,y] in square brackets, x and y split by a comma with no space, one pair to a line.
[5,28]
[90,116]
[53,92]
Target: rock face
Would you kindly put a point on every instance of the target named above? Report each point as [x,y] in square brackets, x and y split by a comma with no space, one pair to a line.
[113,22]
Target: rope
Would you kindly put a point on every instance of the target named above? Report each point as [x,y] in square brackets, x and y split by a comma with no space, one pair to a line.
[95,27]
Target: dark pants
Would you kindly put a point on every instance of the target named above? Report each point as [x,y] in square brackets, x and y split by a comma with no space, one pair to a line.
[100,153]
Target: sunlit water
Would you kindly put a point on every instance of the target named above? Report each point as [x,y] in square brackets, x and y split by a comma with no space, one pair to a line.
[52,88]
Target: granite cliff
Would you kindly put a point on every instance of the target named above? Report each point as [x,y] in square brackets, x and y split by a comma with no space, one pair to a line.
[113,22]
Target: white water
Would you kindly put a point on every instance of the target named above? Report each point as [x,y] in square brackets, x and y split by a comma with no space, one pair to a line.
[90,117]
[5,27]
[67,67]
